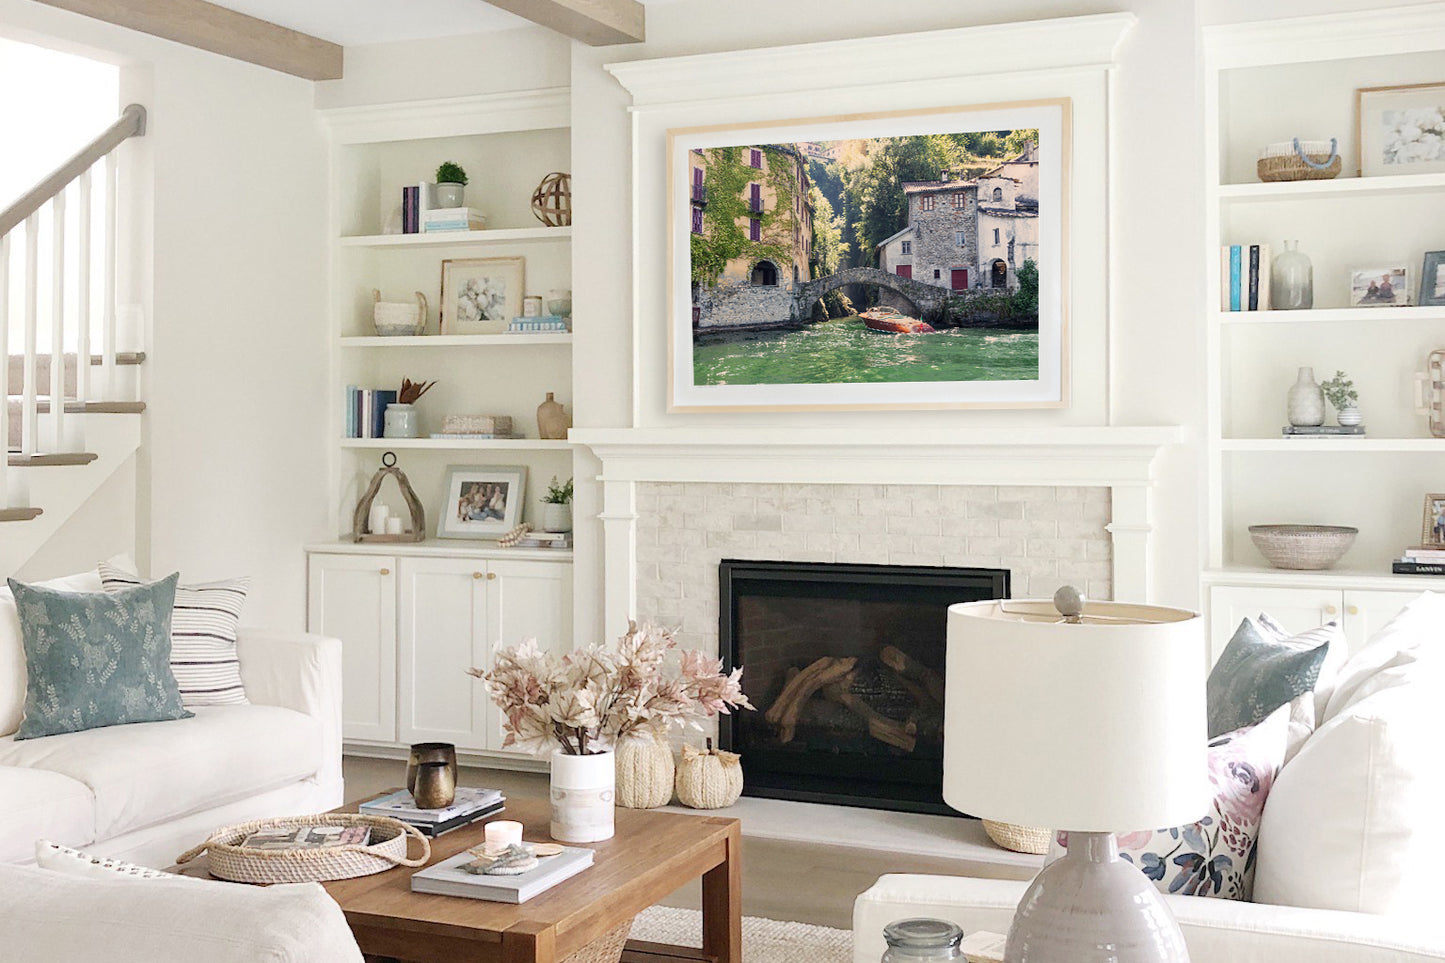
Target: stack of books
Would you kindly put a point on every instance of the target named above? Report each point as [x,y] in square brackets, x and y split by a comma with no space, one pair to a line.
[1322,431]
[545,540]
[1421,560]
[537,325]
[469,806]
[453,219]
[447,878]
[1244,273]
[365,411]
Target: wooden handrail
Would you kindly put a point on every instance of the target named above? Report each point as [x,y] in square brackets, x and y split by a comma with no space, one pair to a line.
[132,123]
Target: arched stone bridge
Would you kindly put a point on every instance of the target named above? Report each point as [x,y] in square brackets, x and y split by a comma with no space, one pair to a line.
[929,299]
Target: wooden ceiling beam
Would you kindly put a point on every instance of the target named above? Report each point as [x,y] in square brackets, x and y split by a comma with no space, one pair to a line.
[597,23]
[207,26]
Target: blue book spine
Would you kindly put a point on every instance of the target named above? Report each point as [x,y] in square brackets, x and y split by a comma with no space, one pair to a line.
[351,411]
[1236,264]
[378,423]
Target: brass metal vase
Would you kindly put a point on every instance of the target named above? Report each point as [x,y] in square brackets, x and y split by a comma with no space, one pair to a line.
[432,754]
[436,785]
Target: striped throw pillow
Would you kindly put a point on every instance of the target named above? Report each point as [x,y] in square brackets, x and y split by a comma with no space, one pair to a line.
[203,637]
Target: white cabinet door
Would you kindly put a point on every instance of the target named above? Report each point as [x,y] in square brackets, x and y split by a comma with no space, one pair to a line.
[1297,609]
[528,600]
[1366,612]
[443,612]
[353,598]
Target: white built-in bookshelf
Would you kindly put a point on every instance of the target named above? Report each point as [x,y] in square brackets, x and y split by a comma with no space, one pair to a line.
[1267,82]
[507,143]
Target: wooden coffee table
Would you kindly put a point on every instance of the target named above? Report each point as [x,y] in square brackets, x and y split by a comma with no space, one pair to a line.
[651,855]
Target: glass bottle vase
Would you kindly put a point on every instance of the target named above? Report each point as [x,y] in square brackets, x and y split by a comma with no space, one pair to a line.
[1292,280]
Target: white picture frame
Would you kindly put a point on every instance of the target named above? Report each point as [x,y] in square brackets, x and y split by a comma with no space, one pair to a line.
[482,501]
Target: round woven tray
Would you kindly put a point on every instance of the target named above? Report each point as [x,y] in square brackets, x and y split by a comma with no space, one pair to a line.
[1019,839]
[240,864]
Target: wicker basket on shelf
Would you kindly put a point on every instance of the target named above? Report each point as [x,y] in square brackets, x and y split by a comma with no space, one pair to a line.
[1299,160]
[1019,839]
[242,864]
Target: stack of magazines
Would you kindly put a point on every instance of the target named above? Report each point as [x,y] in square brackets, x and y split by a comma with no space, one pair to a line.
[469,806]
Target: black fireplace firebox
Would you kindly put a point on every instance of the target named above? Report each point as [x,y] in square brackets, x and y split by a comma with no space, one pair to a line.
[845,666]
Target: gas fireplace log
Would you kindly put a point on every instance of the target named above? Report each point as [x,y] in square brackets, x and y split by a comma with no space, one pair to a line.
[784,712]
[901,735]
[911,669]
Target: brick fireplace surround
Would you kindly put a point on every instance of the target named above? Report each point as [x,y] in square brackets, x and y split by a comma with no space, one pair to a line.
[1052,505]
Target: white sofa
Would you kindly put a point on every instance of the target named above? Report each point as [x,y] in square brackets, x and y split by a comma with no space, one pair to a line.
[148,792]
[1346,868]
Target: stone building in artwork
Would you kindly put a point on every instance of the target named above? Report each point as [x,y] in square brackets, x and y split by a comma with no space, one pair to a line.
[752,234]
[963,233]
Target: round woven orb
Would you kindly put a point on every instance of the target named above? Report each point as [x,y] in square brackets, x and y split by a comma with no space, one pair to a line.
[552,200]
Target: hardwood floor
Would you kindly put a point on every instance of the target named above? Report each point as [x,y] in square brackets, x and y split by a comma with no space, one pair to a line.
[773,871]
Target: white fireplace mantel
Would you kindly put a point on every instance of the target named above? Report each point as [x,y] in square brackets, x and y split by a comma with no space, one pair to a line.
[1119,458]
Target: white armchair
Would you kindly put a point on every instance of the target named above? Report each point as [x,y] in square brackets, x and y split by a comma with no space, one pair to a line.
[1216,930]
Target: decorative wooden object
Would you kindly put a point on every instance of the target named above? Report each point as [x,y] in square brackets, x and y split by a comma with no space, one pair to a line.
[1430,392]
[552,200]
[413,504]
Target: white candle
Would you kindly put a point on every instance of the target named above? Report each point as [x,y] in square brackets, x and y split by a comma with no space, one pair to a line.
[376,518]
[502,833]
[393,525]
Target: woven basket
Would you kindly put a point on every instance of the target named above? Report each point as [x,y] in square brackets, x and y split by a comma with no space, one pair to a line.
[1019,839]
[1303,547]
[1297,160]
[240,864]
[607,948]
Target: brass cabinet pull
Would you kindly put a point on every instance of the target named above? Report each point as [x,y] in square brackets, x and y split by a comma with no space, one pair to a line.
[386,571]
[491,575]
[1330,610]
[1353,610]
[476,575]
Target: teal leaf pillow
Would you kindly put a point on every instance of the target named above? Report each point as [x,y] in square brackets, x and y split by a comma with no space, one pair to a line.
[96,659]
[1259,672]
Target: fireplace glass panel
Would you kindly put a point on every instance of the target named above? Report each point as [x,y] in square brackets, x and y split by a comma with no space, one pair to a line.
[845,664]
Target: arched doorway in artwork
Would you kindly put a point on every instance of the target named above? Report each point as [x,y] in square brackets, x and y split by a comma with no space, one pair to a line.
[998,274]
[765,272]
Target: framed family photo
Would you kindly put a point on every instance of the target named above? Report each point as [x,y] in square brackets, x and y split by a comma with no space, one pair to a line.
[1432,533]
[912,259]
[1380,287]
[1432,279]
[1401,129]
[482,501]
[481,295]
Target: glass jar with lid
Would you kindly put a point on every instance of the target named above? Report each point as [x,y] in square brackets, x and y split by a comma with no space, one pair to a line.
[921,941]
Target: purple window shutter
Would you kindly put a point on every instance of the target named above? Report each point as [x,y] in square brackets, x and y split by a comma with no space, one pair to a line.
[755,158]
[697,220]
[756,194]
[755,229]
[697,176]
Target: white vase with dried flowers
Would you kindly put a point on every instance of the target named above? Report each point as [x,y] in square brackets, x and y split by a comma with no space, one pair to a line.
[581,705]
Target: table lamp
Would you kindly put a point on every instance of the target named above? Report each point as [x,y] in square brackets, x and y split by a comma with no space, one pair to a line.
[1087,717]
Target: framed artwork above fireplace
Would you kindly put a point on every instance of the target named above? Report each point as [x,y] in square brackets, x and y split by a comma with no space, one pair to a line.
[845,664]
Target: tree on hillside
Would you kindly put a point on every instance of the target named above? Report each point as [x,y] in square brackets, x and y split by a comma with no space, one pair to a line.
[829,248]
[878,188]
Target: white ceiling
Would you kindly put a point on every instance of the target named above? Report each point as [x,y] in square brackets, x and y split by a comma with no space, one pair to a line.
[349,22]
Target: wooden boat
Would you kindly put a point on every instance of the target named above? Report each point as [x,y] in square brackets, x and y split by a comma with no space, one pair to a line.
[889,321]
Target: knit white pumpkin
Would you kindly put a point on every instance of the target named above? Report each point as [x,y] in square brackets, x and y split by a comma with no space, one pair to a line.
[709,779]
[644,773]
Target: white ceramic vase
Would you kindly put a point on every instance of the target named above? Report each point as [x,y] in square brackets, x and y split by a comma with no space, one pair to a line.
[1349,416]
[451,195]
[1306,401]
[400,421]
[583,797]
[556,516]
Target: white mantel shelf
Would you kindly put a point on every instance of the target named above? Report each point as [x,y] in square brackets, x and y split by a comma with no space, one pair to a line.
[1119,458]
[1103,456]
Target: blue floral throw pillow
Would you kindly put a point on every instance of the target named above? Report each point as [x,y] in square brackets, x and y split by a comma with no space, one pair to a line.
[94,659]
[1215,856]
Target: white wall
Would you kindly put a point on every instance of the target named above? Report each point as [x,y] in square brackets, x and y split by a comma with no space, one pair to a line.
[231,479]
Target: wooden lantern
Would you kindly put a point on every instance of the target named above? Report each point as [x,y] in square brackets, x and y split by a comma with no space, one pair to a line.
[362,514]
[552,200]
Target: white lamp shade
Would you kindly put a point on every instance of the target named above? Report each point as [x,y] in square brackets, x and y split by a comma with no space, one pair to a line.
[1093,727]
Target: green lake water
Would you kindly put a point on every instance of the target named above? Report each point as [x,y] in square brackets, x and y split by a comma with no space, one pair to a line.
[844,350]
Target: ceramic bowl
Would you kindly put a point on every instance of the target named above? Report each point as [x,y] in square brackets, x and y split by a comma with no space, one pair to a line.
[1307,547]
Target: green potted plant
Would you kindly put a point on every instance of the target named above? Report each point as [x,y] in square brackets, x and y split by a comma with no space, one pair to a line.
[557,507]
[451,185]
[1341,393]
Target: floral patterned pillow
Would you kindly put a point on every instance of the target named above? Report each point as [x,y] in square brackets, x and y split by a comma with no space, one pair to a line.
[1215,856]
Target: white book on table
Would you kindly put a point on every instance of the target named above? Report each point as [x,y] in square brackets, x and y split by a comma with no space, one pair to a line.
[447,878]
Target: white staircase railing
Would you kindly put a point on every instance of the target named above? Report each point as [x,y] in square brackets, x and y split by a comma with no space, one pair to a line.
[70,321]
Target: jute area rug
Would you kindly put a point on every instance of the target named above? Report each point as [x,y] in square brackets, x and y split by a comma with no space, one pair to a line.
[764,941]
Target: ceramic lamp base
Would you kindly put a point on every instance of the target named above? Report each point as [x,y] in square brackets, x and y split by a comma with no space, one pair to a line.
[1093,907]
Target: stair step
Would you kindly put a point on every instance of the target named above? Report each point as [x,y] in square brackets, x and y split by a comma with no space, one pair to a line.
[42,405]
[56,459]
[42,369]
[18,514]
